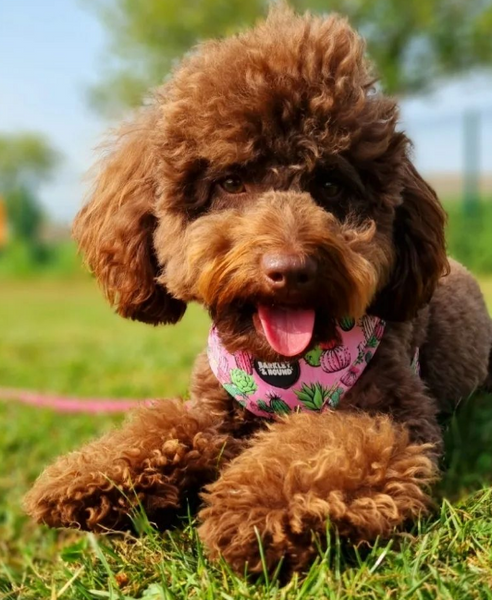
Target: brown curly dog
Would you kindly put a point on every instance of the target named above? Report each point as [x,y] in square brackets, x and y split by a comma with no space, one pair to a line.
[267,177]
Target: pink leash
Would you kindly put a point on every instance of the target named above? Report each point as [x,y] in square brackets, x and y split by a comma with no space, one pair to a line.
[71,405]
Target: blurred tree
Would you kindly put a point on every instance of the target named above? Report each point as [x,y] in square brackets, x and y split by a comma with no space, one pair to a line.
[25,161]
[411,41]
[24,214]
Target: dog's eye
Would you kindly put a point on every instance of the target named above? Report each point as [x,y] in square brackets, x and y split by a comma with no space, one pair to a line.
[331,189]
[328,189]
[232,185]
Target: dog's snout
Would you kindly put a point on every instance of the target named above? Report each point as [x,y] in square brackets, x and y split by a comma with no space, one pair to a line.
[288,271]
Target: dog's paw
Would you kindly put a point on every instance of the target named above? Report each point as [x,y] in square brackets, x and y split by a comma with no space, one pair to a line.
[248,533]
[64,496]
[89,494]
[356,473]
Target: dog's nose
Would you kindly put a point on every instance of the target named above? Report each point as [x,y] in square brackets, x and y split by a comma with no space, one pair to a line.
[288,271]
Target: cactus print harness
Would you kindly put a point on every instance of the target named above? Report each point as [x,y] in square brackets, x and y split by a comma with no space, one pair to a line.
[315,382]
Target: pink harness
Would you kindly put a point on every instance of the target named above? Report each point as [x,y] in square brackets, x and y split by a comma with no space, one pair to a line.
[316,382]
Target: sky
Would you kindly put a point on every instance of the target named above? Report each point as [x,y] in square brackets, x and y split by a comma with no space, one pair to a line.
[52,51]
[50,54]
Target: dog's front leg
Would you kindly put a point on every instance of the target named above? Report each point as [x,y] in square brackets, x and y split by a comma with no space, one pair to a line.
[358,473]
[160,457]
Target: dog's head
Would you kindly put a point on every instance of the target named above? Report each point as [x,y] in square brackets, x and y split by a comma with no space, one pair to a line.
[268,182]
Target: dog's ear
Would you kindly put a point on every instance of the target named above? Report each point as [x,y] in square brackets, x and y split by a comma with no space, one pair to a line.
[420,250]
[115,229]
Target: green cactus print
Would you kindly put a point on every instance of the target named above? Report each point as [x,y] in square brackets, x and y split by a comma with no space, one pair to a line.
[372,342]
[276,406]
[279,406]
[313,357]
[262,405]
[335,397]
[233,390]
[313,396]
[244,382]
[347,323]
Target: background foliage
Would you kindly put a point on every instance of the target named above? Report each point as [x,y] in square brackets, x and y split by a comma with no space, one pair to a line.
[412,43]
[26,160]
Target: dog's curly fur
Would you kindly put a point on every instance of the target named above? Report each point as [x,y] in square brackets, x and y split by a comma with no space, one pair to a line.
[273,141]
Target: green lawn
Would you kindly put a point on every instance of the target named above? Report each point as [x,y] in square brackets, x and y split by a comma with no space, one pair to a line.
[62,338]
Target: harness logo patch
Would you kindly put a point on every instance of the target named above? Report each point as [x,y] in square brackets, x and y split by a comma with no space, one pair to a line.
[279,374]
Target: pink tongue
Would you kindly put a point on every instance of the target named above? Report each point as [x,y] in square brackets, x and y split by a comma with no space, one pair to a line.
[288,331]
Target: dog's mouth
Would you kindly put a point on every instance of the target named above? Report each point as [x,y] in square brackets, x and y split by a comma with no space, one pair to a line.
[287,330]
[274,331]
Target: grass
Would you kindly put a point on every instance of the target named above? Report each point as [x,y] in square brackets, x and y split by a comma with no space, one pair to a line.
[62,338]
